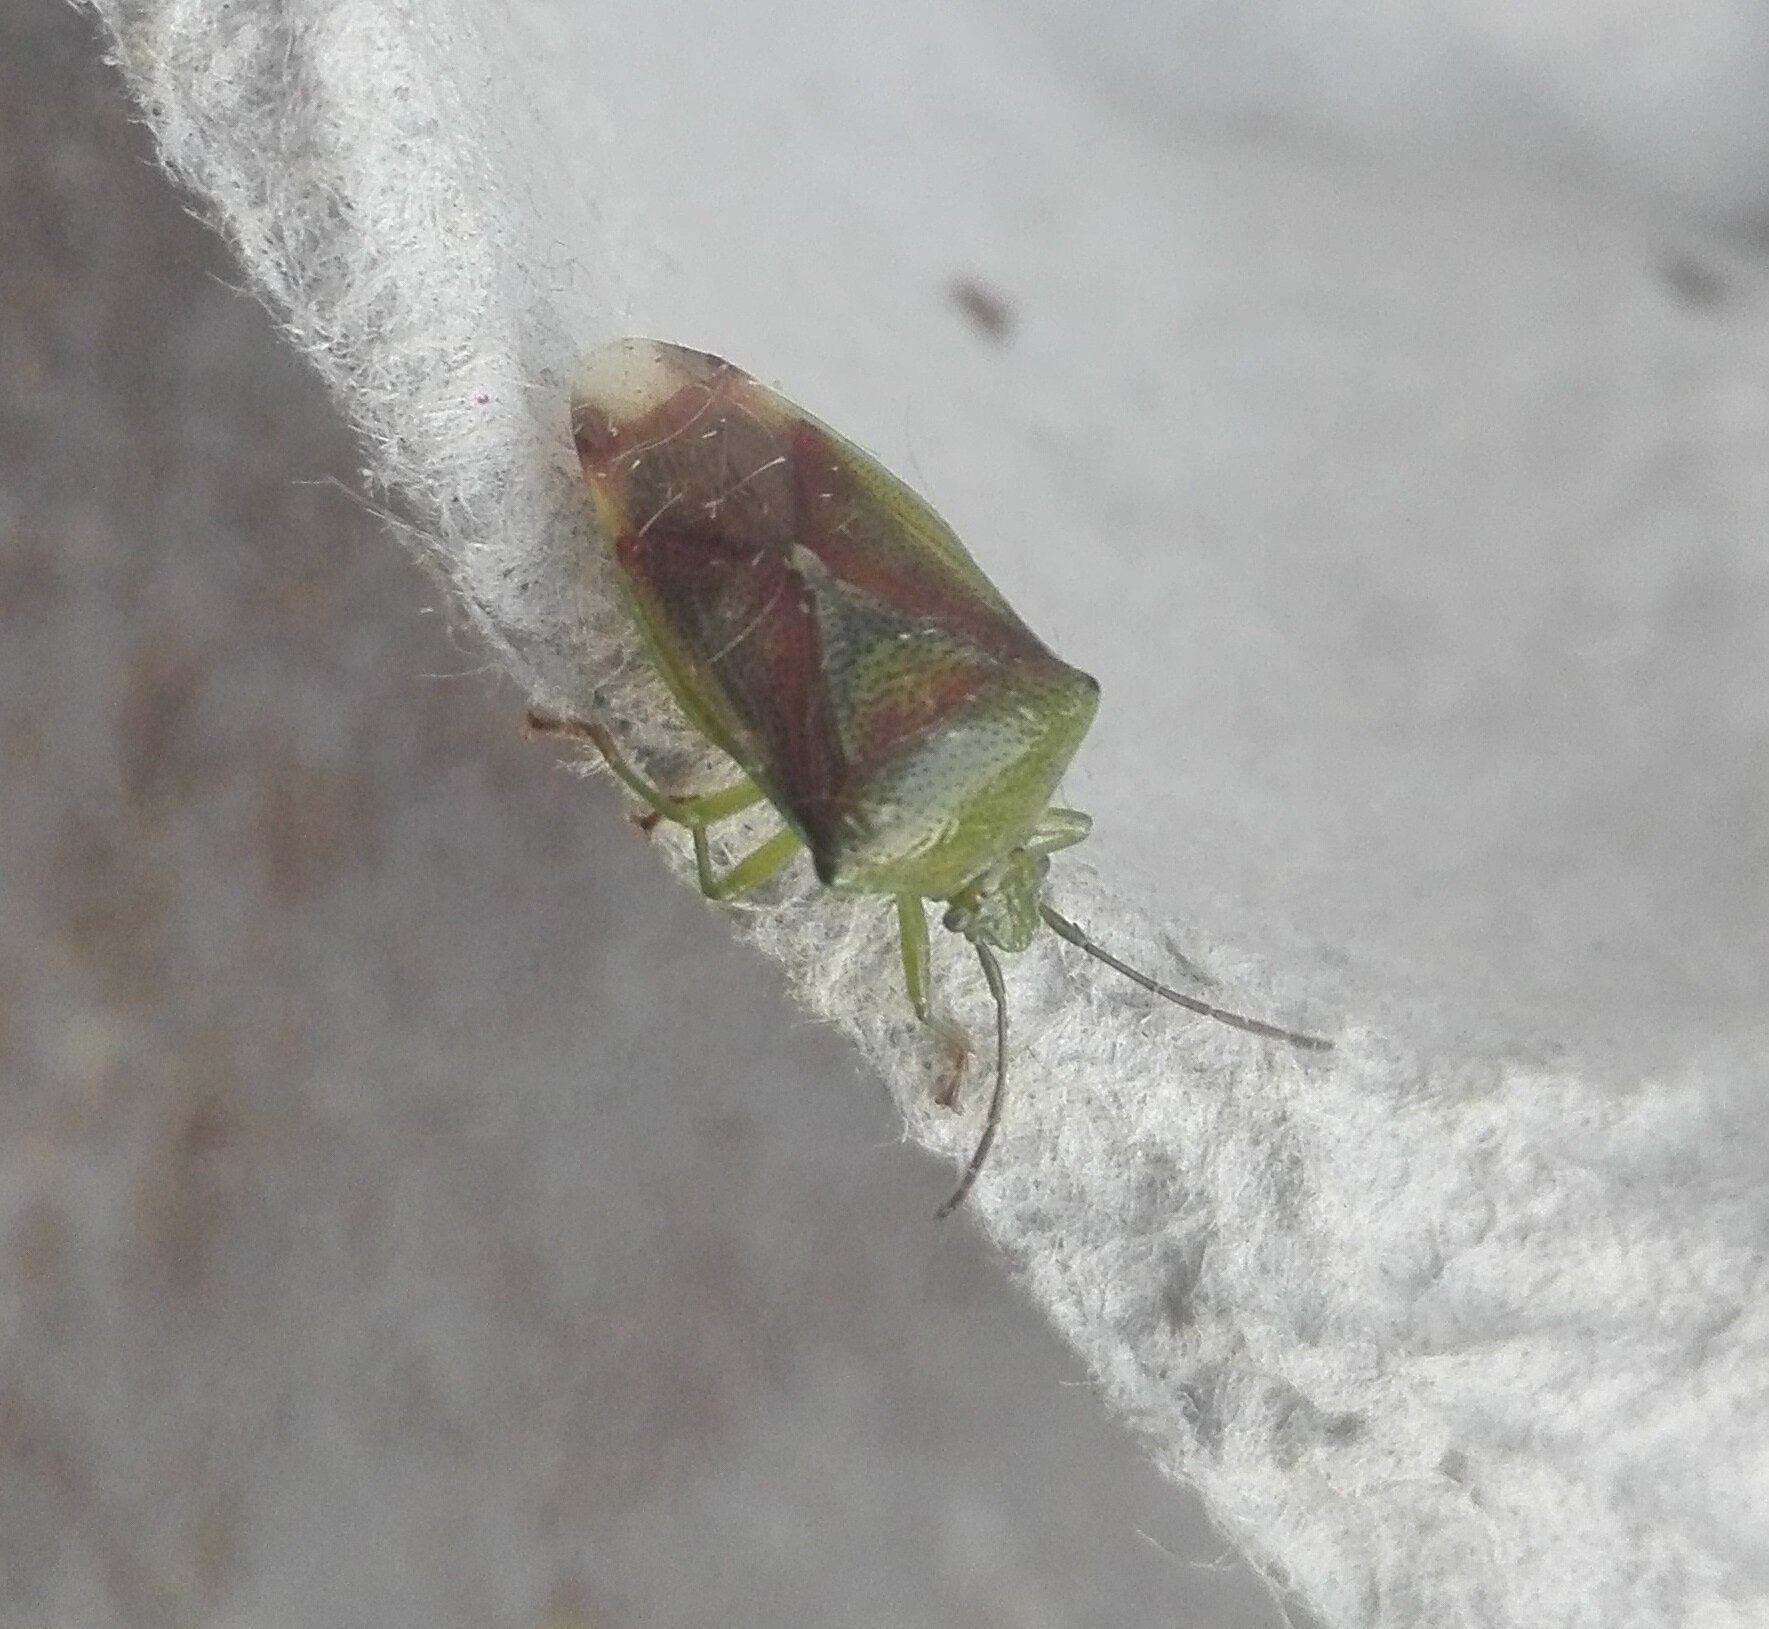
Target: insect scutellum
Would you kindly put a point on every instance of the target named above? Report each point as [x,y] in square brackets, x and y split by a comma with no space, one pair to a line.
[817,622]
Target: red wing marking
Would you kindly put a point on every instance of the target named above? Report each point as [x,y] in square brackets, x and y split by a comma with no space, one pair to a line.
[743,617]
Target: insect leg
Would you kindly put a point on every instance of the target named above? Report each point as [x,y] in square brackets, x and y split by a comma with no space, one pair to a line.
[750,872]
[697,809]
[912,941]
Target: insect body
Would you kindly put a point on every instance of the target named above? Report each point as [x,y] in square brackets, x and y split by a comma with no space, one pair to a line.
[823,627]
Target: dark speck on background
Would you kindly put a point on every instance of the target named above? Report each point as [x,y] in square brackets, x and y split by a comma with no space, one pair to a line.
[989,311]
[1694,283]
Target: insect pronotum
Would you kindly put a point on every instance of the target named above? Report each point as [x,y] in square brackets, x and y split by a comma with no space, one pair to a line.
[824,628]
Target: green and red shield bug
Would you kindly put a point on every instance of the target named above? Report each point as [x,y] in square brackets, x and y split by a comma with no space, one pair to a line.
[824,628]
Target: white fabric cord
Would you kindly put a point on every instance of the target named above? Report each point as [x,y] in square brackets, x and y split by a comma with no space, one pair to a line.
[1444,1336]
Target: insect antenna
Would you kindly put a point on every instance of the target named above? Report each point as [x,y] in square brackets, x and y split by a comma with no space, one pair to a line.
[992,972]
[1065,929]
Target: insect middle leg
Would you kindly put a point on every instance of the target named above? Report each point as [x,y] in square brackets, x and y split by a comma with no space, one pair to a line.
[695,812]
[912,941]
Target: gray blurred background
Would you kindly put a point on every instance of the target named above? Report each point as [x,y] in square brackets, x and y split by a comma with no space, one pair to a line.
[413,1207]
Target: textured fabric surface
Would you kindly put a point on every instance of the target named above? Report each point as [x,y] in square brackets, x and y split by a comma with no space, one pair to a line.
[415,1210]
[1465,1324]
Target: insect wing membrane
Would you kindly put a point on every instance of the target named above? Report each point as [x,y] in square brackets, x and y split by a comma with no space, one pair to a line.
[821,624]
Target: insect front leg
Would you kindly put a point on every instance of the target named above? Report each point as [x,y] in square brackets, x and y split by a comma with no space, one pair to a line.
[912,941]
[695,812]
[750,872]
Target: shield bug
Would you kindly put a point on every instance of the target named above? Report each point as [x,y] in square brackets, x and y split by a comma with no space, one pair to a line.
[824,628]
